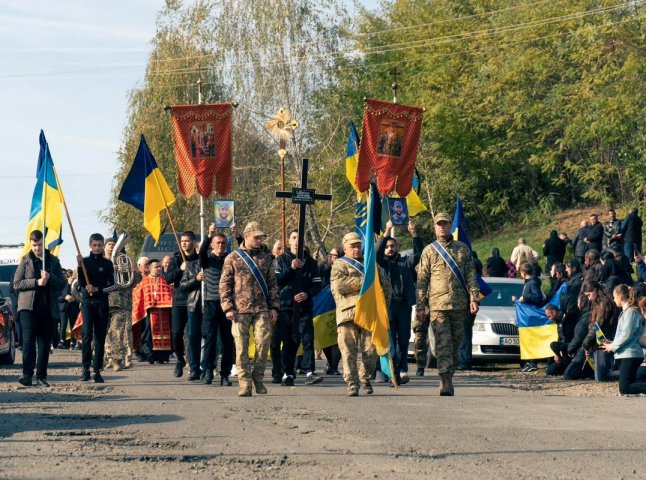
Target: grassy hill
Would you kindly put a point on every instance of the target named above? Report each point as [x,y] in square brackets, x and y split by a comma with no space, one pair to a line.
[567,221]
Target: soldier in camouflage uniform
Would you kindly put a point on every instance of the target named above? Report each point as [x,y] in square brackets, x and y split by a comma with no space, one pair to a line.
[244,303]
[120,326]
[440,293]
[345,283]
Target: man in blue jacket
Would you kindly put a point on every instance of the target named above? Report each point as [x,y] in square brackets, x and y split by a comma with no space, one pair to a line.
[401,272]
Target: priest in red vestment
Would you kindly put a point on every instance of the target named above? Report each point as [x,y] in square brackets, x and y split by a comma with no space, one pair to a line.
[152,301]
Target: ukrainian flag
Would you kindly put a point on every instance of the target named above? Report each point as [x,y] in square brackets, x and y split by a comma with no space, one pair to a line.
[460,232]
[535,330]
[146,189]
[324,318]
[371,311]
[46,211]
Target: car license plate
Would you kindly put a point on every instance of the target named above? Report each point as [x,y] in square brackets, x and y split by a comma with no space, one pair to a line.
[510,341]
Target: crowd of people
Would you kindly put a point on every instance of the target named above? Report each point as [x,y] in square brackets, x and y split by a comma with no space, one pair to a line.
[600,314]
[244,303]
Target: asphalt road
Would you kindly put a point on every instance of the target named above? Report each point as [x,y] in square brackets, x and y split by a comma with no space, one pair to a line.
[145,423]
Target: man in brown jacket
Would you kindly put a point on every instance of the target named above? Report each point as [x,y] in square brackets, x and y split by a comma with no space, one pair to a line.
[249,297]
[345,282]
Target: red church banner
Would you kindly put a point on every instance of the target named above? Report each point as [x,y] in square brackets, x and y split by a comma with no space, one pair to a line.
[202,136]
[389,143]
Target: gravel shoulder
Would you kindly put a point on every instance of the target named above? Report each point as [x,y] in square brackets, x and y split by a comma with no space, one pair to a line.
[144,422]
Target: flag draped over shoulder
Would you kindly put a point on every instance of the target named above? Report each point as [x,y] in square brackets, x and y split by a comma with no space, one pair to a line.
[389,144]
[324,318]
[46,210]
[535,330]
[202,137]
[146,189]
[371,312]
[460,232]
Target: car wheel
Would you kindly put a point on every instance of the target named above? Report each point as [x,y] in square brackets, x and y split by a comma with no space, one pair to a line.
[9,358]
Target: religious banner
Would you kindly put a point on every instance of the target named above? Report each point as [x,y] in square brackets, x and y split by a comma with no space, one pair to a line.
[389,143]
[202,137]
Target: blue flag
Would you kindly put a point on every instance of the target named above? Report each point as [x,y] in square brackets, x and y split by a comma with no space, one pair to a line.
[460,232]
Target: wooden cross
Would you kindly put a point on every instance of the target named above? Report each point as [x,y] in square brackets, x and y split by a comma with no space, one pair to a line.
[303,197]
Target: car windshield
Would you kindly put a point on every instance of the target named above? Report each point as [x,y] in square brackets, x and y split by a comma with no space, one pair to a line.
[501,294]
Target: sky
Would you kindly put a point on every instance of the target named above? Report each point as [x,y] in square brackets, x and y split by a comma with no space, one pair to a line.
[66,67]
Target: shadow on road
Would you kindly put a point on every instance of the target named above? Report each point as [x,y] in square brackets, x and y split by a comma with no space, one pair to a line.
[67,424]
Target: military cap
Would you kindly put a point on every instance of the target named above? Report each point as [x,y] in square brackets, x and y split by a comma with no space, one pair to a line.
[351,238]
[254,229]
[442,217]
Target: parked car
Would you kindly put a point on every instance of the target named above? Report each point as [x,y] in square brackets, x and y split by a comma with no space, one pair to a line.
[7,326]
[495,331]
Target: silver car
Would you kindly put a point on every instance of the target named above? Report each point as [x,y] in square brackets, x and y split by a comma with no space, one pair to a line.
[495,331]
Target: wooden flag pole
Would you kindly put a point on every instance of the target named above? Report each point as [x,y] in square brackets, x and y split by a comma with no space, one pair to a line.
[392,370]
[170,219]
[69,222]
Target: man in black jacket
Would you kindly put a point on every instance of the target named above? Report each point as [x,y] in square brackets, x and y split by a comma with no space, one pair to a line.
[594,238]
[401,272]
[578,242]
[298,282]
[38,281]
[214,320]
[94,305]
[570,297]
[180,313]
[631,228]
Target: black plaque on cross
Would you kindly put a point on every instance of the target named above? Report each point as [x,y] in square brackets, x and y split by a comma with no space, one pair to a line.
[303,196]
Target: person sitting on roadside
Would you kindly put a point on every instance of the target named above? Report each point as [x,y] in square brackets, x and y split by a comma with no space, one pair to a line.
[592,267]
[604,315]
[579,366]
[560,361]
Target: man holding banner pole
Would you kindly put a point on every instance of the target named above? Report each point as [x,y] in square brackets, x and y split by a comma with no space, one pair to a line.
[448,289]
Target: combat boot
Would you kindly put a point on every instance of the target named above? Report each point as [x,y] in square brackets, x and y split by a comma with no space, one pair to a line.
[450,384]
[260,387]
[446,387]
[245,391]
[353,391]
[367,388]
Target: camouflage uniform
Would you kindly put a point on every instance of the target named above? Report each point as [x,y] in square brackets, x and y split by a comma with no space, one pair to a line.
[240,291]
[345,283]
[420,344]
[120,327]
[440,292]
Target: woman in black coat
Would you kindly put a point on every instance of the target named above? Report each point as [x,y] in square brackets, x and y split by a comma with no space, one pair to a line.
[495,266]
[554,250]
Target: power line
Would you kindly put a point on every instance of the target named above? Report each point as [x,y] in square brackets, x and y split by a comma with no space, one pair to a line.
[447,39]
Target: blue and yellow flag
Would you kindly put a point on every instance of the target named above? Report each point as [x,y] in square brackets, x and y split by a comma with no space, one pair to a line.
[460,232]
[535,331]
[46,211]
[146,189]
[324,318]
[371,311]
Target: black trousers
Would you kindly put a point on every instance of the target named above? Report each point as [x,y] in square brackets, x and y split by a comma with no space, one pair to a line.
[96,318]
[36,339]
[68,318]
[292,335]
[628,375]
[578,368]
[179,321]
[214,321]
[333,357]
[274,351]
